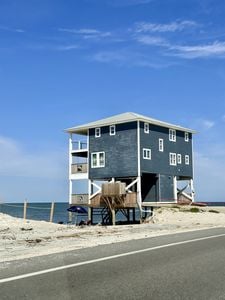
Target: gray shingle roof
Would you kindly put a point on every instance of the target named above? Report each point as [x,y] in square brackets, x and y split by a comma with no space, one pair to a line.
[123,118]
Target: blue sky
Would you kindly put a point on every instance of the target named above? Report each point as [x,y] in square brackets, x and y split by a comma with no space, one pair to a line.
[64,63]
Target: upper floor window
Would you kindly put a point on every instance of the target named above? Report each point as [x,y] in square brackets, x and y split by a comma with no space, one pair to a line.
[172,135]
[173,159]
[179,159]
[98,159]
[161,145]
[186,136]
[146,128]
[147,153]
[187,160]
[97,132]
[112,129]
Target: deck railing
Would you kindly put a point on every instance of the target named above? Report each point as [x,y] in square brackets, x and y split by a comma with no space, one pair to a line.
[79,145]
[79,199]
[79,168]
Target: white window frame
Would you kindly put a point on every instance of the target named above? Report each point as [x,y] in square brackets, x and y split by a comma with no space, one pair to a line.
[172,135]
[97,132]
[187,159]
[161,145]
[146,127]
[186,137]
[147,153]
[112,130]
[98,162]
[173,159]
[179,159]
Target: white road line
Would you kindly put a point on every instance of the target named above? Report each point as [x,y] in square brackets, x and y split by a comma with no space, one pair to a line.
[105,258]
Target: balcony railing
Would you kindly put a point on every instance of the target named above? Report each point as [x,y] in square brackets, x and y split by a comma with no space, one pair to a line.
[79,199]
[79,168]
[79,145]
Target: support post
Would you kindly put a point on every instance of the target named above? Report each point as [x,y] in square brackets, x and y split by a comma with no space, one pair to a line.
[91,210]
[52,212]
[192,190]
[134,217]
[90,192]
[113,216]
[128,215]
[70,217]
[175,188]
[25,210]
[139,197]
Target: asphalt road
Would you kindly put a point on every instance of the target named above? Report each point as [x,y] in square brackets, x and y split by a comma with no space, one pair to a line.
[180,266]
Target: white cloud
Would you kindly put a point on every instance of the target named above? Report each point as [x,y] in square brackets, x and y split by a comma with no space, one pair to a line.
[15,161]
[144,27]
[207,124]
[87,33]
[6,28]
[215,49]
[209,177]
[109,56]
[31,175]
[66,47]
[151,40]
[129,59]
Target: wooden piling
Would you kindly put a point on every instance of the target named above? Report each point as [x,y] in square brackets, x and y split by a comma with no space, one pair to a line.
[52,212]
[113,216]
[25,210]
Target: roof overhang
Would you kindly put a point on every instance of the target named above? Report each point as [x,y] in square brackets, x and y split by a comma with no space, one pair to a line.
[124,118]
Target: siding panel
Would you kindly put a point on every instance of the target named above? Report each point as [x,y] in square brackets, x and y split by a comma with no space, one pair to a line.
[120,151]
[159,163]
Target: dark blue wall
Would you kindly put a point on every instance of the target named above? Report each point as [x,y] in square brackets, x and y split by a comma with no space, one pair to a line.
[166,188]
[120,151]
[159,163]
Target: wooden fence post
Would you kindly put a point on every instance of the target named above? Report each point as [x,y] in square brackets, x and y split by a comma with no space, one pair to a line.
[52,212]
[25,210]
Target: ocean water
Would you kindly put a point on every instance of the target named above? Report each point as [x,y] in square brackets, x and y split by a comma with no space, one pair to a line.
[41,211]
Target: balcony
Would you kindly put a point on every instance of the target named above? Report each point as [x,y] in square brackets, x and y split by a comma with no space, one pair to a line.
[79,199]
[79,149]
[79,145]
[79,168]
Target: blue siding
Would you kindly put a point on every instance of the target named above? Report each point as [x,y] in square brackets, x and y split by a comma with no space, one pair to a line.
[159,163]
[120,151]
[166,188]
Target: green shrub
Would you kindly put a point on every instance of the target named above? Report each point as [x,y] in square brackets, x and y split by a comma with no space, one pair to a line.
[194,209]
[214,211]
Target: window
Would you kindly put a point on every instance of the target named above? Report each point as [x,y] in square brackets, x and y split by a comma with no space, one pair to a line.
[98,159]
[186,136]
[172,135]
[173,159]
[147,153]
[146,128]
[112,130]
[179,159]
[97,132]
[161,146]
[186,159]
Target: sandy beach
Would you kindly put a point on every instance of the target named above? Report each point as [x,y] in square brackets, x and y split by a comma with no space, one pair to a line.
[21,239]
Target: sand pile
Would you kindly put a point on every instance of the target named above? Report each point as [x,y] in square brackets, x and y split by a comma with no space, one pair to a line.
[21,239]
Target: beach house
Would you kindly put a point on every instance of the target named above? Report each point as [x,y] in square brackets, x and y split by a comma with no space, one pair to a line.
[130,161]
